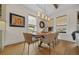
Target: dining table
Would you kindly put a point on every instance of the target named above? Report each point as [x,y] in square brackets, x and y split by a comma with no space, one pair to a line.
[40,34]
[38,37]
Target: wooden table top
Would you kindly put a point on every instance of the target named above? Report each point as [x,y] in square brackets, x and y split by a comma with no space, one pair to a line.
[42,33]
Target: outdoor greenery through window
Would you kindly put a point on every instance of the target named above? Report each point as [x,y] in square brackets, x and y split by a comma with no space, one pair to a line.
[31,24]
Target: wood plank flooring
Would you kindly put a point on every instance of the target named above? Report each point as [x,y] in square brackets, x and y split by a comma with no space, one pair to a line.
[62,48]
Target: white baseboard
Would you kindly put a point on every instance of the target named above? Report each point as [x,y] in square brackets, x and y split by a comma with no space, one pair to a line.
[71,40]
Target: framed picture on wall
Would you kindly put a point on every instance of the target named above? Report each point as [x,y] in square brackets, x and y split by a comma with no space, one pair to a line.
[42,24]
[17,20]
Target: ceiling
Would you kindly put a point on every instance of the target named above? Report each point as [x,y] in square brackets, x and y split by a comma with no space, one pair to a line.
[49,9]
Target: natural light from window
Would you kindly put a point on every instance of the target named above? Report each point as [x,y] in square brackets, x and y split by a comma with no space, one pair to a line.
[31,24]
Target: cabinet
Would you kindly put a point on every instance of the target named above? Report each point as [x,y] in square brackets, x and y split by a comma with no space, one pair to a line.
[2,12]
[2,36]
[2,25]
[0,40]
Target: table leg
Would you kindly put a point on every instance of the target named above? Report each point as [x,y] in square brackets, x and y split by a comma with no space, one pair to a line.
[28,48]
[49,50]
[40,44]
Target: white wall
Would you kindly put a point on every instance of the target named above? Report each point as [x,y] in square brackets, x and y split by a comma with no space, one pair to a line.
[15,34]
[71,23]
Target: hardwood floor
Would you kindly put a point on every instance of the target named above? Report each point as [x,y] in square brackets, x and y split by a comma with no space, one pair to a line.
[62,48]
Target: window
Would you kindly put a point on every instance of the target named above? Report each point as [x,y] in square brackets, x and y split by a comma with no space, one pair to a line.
[61,23]
[31,24]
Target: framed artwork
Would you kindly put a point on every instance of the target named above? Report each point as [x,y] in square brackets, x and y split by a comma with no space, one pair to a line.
[42,24]
[17,20]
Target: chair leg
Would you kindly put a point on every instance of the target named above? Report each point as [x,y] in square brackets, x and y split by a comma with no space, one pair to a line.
[23,48]
[28,48]
[53,44]
[49,50]
[40,44]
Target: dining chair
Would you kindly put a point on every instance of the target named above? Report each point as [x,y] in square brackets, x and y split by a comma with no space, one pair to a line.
[29,39]
[56,38]
[50,39]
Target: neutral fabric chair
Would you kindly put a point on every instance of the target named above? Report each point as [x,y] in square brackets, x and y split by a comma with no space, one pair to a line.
[56,38]
[29,39]
[50,39]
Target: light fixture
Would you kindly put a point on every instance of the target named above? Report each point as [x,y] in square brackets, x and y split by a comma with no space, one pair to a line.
[42,16]
[48,18]
[38,14]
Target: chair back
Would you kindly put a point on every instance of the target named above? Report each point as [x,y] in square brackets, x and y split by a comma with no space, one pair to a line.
[28,37]
[49,37]
[56,35]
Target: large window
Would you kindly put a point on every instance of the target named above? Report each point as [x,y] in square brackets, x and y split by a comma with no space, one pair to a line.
[31,24]
[61,23]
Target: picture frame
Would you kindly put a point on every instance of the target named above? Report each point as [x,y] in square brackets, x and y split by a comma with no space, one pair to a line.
[17,20]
